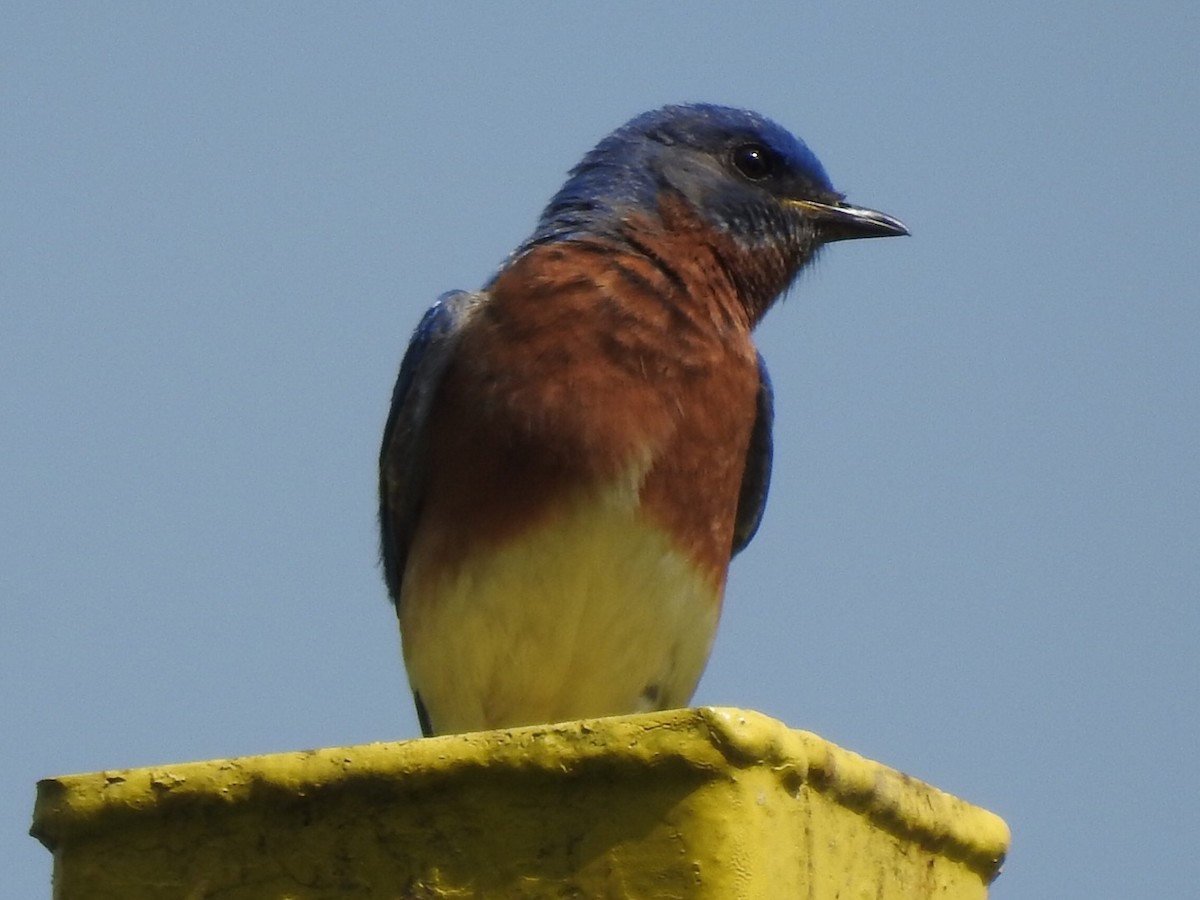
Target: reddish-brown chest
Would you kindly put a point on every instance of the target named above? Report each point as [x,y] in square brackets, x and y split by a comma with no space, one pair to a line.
[587,366]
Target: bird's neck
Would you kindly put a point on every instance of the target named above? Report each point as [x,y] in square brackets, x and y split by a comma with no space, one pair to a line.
[722,265]
[702,263]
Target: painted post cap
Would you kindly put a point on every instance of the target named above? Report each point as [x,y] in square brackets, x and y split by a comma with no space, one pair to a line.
[694,803]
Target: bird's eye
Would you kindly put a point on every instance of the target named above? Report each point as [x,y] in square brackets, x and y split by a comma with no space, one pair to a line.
[755,161]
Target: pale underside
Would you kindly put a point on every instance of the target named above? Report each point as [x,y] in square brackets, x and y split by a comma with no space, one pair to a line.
[591,612]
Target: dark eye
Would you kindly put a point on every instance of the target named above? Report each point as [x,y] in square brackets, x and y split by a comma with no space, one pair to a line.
[755,161]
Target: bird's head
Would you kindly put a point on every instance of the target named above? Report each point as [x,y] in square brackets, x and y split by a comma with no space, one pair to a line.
[735,171]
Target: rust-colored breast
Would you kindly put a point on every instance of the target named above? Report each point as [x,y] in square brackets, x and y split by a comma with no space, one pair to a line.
[586,363]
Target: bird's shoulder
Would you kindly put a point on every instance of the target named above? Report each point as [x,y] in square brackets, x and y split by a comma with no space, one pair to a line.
[429,352]
[402,456]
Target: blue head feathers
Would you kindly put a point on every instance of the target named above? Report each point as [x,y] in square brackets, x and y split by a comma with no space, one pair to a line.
[691,149]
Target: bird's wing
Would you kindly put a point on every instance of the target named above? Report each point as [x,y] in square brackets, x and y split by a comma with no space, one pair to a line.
[756,479]
[402,462]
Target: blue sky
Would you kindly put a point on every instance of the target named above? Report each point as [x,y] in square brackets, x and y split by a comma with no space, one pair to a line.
[981,559]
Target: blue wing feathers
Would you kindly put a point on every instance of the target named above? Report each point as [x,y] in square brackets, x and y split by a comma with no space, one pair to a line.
[401,456]
[756,479]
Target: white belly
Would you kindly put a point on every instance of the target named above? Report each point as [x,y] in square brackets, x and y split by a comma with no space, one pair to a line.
[592,613]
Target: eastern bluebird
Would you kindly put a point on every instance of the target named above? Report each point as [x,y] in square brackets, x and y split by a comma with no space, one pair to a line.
[575,452]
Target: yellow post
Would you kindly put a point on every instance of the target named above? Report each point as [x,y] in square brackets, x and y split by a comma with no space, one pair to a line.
[699,803]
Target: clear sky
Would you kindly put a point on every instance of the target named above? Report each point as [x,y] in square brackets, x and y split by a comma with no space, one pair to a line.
[980,562]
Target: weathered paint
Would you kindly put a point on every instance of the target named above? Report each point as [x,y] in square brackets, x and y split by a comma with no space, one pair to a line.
[703,803]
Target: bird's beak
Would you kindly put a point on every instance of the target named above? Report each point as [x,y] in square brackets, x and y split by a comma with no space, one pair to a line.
[842,222]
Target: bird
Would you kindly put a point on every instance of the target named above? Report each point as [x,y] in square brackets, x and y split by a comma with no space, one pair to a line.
[575,452]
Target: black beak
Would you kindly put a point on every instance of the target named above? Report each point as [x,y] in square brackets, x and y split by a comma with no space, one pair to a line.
[842,222]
